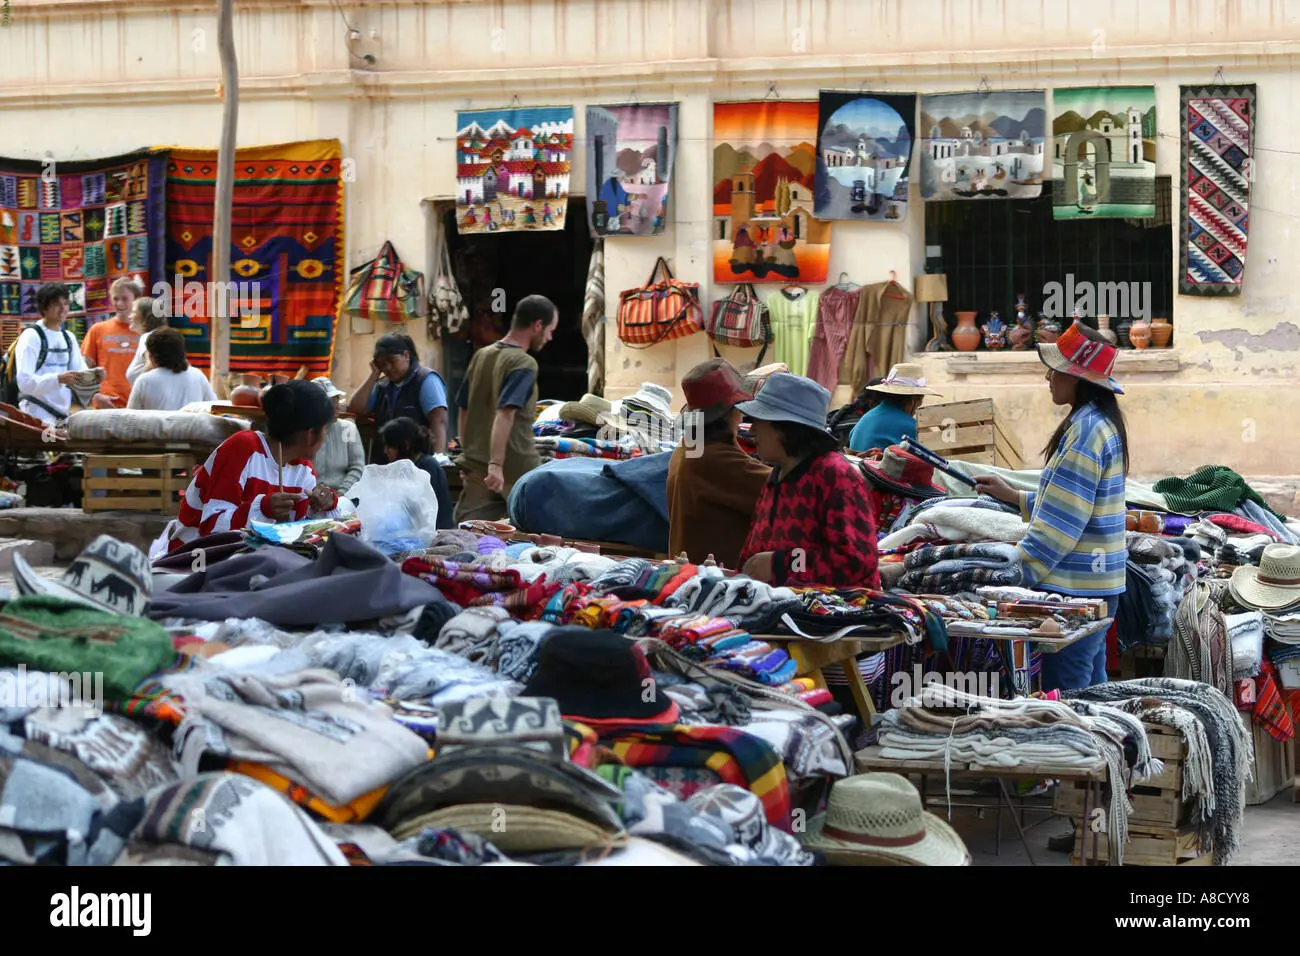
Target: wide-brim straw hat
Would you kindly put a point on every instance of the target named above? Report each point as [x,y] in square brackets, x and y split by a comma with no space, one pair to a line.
[1274,585]
[515,828]
[876,819]
[587,410]
[1084,358]
[904,379]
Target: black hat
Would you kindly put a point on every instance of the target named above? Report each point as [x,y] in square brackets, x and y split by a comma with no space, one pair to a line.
[600,675]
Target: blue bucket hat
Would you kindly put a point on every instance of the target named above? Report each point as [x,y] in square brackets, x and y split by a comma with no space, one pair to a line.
[786,397]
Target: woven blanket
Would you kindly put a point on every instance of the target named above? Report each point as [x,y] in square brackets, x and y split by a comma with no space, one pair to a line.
[83,224]
[959,524]
[512,169]
[287,249]
[1220,752]
[1209,488]
[1218,124]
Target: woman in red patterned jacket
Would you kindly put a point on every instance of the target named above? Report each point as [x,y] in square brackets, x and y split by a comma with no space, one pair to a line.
[812,524]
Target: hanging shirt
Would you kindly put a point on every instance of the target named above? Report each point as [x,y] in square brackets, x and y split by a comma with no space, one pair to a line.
[228,490]
[793,321]
[881,427]
[835,312]
[111,345]
[43,384]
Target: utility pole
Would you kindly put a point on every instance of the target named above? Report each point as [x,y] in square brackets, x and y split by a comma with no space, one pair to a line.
[219,325]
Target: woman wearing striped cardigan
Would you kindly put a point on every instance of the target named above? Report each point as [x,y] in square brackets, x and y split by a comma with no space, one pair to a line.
[1076,542]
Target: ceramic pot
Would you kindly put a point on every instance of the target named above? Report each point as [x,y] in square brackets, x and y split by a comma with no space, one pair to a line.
[1103,326]
[1139,333]
[1161,332]
[1122,334]
[1150,522]
[967,334]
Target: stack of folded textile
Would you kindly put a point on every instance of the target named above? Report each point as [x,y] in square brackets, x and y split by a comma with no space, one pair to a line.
[954,568]
[1160,573]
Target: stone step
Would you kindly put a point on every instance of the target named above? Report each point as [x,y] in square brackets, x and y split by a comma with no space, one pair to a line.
[69,530]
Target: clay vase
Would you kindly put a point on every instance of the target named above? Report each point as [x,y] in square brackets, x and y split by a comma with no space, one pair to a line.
[967,334]
[1122,334]
[1161,332]
[1103,326]
[1139,333]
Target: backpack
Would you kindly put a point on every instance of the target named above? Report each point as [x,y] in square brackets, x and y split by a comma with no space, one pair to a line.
[9,368]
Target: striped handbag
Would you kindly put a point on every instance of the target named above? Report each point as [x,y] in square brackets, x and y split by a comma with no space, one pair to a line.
[659,311]
[741,320]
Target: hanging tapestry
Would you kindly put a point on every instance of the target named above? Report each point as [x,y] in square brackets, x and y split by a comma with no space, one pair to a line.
[764,169]
[983,145]
[864,150]
[287,266]
[83,224]
[512,169]
[630,154]
[1218,128]
[1104,152]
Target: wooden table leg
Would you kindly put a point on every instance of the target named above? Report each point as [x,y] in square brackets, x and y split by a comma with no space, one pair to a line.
[861,693]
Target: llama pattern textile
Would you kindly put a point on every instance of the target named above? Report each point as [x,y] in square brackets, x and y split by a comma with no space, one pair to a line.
[1220,755]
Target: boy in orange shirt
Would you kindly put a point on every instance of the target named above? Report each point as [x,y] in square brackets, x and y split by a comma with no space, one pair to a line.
[111,345]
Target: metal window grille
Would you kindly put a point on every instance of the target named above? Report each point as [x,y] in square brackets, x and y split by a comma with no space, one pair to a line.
[992,251]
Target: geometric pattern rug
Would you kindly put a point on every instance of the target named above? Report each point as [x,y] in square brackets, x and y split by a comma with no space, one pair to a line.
[286,253]
[1218,125]
[83,224]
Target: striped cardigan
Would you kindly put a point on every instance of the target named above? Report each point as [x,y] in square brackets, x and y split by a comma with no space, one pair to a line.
[1076,542]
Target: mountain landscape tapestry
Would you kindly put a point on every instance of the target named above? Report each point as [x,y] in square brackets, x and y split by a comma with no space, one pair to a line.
[512,169]
[864,151]
[1218,129]
[84,224]
[286,238]
[630,153]
[983,145]
[764,168]
[1104,152]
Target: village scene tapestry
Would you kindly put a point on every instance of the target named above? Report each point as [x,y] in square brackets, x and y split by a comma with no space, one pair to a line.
[630,153]
[764,168]
[1104,152]
[512,169]
[983,145]
[864,150]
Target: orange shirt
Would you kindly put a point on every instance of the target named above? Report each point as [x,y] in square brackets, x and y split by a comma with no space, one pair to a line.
[111,345]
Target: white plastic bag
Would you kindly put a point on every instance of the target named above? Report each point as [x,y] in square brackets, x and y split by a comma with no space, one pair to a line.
[396,502]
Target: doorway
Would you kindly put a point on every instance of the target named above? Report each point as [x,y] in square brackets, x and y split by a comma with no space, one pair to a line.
[550,263]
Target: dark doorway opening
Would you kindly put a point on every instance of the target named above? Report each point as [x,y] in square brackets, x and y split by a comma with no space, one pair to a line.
[494,271]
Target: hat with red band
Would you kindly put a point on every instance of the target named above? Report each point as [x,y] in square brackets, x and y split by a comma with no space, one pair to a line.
[1076,354]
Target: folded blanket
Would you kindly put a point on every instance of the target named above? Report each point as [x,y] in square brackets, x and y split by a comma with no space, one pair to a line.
[989,555]
[960,524]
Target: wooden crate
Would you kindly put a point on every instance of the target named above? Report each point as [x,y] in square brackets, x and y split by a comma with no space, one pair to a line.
[1157,802]
[968,431]
[1149,846]
[1274,767]
[157,489]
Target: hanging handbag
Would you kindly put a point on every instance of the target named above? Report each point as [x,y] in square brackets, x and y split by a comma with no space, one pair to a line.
[741,320]
[659,311]
[384,288]
[447,309]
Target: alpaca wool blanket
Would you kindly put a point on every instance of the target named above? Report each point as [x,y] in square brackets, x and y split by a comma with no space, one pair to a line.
[1220,757]
[959,524]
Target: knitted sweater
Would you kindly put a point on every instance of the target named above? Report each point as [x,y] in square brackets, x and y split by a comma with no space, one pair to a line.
[1076,543]
[818,524]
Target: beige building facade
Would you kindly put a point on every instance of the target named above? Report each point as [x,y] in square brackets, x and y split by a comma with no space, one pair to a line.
[85,79]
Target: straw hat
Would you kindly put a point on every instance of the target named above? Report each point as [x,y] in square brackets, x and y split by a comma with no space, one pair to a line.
[514,828]
[1076,354]
[876,819]
[1274,585]
[587,410]
[903,379]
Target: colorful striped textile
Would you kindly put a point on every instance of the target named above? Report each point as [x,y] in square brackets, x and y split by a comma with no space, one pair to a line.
[286,246]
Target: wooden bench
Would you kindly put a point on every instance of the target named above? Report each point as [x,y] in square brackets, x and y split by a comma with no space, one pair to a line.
[968,431]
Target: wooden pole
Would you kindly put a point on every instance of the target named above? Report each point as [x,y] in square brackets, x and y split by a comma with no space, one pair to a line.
[219,327]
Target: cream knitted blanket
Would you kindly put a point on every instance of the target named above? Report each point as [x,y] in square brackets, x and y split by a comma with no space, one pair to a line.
[959,524]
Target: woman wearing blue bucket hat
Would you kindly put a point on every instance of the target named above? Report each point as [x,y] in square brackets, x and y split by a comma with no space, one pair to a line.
[812,524]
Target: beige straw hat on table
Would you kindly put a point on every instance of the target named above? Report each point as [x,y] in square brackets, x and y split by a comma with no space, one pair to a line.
[518,829]
[587,411]
[904,379]
[876,819]
[1274,585]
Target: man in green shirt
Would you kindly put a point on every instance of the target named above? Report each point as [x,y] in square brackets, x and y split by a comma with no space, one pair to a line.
[497,404]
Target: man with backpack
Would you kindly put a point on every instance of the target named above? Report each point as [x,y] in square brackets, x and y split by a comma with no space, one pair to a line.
[45,360]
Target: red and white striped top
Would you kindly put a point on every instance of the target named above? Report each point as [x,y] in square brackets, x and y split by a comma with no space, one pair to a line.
[227,490]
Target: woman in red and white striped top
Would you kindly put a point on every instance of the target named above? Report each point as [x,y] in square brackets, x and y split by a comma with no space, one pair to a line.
[240,481]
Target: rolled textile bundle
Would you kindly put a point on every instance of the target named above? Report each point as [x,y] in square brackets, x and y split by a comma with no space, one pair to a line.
[1246,637]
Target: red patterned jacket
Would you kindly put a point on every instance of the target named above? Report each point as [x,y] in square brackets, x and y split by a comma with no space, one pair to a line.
[818,522]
